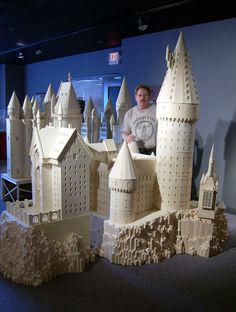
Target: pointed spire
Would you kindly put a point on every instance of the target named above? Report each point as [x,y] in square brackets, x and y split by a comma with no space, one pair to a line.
[211,165]
[94,114]
[68,99]
[123,102]
[27,108]
[14,108]
[32,100]
[69,77]
[35,107]
[179,86]
[49,94]
[123,167]
[112,122]
[109,108]
[53,103]
[88,108]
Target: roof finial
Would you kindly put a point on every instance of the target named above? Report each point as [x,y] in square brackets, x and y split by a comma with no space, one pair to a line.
[69,77]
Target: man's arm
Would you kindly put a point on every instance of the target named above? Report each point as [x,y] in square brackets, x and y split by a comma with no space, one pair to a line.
[128,137]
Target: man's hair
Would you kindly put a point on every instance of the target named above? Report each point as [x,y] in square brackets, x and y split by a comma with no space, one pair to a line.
[143,86]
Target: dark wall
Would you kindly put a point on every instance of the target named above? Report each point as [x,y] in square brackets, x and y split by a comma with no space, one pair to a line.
[15,81]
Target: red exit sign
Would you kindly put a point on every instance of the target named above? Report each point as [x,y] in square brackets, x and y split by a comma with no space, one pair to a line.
[114,58]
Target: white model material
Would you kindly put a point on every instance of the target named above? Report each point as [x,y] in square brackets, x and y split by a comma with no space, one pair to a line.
[177,112]
[28,256]
[148,215]
[71,114]
[131,237]
[208,190]
[108,113]
[19,135]
[123,104]
[48,105]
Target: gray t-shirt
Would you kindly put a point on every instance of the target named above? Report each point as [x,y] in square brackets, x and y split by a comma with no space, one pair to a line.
[143,125]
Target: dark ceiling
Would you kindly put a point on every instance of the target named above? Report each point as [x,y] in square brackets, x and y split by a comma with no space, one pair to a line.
[61,28]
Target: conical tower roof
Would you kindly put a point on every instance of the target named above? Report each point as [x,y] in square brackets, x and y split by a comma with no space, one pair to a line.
[49,94]
[109,108]
[179,85]
[27,108]
[123,101]
[211,172]
[14,102]
[35,107]
[88,108]
[14,108]
[68,100]
[123,167]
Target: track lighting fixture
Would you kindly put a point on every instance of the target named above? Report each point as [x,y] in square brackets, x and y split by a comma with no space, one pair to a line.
[20,55]
[38,50]
[141,26]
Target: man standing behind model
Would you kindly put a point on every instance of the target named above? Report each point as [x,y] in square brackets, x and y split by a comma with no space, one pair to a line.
[140,122]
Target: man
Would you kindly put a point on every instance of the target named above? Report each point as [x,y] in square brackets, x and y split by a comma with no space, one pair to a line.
[140,122]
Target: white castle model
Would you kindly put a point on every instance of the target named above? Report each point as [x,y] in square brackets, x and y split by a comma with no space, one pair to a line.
[130,208]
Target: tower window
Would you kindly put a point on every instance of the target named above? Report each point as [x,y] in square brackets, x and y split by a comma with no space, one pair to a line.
[207,200]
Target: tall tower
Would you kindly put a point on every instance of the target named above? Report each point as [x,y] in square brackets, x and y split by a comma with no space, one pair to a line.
[15,139]
[27,121]
[177,112]
[122,185]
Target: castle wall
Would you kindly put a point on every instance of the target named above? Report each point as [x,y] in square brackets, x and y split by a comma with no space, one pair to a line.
[145,194]
[75,176]
[103,192]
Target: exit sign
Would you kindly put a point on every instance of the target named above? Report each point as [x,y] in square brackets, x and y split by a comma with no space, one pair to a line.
[114,58]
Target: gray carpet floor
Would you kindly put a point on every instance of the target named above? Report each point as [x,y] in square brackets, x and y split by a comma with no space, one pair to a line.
[182,283]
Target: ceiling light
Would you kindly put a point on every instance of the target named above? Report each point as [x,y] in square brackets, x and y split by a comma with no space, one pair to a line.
[38,51]
[141,26]
[20,55]
[20,43]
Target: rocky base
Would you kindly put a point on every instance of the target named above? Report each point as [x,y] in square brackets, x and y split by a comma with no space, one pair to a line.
[28,256]
[162,235]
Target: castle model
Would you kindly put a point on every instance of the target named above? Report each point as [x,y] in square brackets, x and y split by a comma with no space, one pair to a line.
[90,198]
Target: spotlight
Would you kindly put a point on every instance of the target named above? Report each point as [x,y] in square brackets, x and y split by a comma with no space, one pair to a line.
[38,51]
[141,26]
[20,55]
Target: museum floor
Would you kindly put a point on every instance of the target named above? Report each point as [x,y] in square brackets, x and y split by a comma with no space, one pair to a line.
[182,283]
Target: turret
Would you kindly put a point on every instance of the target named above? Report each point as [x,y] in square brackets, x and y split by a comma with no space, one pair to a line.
[27,108]
[177,112]
[107,116]
[15,131]
[59,116]
[14,108]
[70,107]
[122,185]
[39,120]
[27,126]
[48,105]
[123,102]
[208,190]
[95,123]
[35,111]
